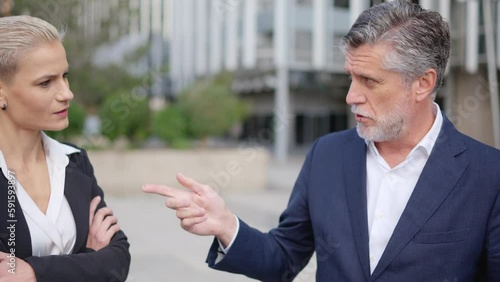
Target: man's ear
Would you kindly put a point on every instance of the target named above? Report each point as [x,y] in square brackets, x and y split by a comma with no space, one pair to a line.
[424,85]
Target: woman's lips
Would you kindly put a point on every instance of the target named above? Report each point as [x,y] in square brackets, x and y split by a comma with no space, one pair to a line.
[63,113]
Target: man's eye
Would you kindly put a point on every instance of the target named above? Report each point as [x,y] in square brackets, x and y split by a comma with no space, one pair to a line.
[369,81]
[45,83]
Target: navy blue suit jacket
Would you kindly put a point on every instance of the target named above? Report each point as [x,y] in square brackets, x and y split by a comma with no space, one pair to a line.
[111,263]
[449,230]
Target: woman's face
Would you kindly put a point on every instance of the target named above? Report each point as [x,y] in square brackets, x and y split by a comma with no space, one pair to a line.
[38,96]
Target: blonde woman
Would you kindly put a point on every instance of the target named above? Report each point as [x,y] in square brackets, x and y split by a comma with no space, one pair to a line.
[54,225]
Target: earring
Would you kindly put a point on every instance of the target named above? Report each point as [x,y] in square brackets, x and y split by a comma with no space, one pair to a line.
[4,107]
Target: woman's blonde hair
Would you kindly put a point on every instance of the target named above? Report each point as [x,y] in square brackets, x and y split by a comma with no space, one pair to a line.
[19,34]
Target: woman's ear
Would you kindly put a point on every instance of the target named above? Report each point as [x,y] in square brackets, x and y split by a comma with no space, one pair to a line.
[3,100]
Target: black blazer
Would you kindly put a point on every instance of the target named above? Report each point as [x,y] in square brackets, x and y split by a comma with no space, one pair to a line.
[108,264]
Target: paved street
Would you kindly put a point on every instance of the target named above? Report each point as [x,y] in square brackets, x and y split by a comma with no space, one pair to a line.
[162,251]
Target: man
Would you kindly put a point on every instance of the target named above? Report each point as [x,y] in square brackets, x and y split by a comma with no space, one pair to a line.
[404,197]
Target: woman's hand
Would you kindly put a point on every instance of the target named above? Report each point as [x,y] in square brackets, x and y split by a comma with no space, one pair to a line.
[102,225]
[15,270]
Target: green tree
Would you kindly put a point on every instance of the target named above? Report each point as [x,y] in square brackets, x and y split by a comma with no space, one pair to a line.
[170,125]
[92,84]
[210,107]
[125,114]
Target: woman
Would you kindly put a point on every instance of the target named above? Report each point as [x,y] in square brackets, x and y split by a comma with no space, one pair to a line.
[48,192]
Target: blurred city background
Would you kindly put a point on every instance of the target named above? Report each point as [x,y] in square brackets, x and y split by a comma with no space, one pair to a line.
[231,92]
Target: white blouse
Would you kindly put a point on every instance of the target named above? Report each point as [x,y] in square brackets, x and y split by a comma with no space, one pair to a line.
[52,233]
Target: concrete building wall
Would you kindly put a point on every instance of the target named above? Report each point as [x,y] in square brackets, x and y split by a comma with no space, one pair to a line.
[305,103]
[316,103]
[312,29]
[471,112]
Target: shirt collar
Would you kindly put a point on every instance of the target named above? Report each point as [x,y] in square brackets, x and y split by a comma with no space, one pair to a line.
[429,140]
[3,166]
[427,143]
[54,151]
[57,151]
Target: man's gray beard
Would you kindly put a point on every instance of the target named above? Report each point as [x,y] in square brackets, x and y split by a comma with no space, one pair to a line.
[381,133]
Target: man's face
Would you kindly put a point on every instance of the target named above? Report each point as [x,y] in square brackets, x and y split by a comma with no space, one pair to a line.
[380,100]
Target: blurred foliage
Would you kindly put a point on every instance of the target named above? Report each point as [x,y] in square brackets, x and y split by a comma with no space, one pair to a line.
[66,15]
[91,84]
[170,125]
[210,107]
[110,87]
[127,115]
[76,116]
[207,108]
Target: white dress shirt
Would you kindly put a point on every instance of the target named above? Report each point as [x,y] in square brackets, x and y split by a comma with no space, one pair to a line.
[52,233]
[388,190]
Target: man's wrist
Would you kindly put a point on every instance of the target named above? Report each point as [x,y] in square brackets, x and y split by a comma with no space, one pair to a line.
[228,230]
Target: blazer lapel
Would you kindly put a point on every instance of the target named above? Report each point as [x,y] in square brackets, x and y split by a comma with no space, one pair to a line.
[440,174]
[22,246]
[77,192]
[355,180]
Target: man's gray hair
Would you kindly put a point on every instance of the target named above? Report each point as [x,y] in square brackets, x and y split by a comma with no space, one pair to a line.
[19,34]
[420,39]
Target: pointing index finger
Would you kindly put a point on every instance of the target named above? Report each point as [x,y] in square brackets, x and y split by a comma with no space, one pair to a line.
[158,189]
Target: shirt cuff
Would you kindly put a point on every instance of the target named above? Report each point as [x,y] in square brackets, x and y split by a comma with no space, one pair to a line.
[226,249]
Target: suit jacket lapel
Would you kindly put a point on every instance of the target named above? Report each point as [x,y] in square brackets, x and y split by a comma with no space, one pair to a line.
[77,192]
[355,180]
[23,239]
[440,174]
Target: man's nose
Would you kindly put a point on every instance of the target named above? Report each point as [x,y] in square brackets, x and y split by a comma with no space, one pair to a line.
[354,95]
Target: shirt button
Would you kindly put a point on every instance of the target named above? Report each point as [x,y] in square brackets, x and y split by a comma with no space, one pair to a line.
[372,258]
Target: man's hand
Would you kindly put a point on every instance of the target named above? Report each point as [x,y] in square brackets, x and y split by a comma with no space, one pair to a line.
[201,210]
[102,226]
[23,272]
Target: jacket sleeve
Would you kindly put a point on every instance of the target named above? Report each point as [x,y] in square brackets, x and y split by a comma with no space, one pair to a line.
[493,243]
[110,263]
[280,254]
